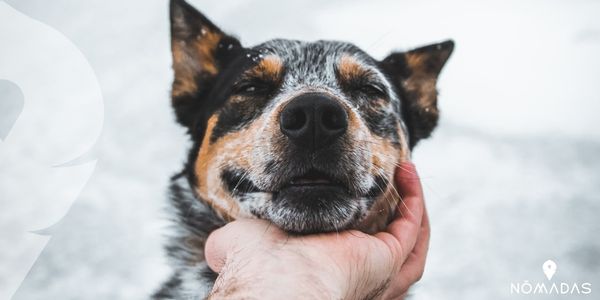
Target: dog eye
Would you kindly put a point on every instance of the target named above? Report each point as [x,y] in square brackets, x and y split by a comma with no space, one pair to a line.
[244,88]
[373,90]
[250,88]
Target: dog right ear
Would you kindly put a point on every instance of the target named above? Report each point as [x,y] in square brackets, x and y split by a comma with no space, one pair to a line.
[415,75]
[200,51]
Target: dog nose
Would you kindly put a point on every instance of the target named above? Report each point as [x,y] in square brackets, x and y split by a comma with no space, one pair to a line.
[313,120]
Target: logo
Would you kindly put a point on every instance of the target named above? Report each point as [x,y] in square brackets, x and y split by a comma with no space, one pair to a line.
[50,96]
[549,287]
[549,268]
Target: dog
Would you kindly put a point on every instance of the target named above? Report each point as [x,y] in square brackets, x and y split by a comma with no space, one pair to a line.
[303,134]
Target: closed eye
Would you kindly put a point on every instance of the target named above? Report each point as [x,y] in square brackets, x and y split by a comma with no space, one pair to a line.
[252,88]
[364,84]
[373,90]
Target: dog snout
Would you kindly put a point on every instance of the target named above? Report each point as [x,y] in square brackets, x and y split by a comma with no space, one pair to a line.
[313,121]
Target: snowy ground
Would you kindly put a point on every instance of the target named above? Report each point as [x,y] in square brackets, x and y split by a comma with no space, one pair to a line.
[512,175]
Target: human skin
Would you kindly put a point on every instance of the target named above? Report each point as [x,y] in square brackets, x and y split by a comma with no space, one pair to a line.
[256,260]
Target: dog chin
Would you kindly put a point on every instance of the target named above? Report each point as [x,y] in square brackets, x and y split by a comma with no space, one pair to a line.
[313,209]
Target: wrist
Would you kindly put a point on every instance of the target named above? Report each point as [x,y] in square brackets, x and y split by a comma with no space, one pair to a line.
[276,274]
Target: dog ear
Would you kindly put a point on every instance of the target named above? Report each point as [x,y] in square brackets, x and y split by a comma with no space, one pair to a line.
[415,73]
[200,51]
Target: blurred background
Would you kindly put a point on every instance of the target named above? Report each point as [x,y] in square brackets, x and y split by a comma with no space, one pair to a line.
[511,175]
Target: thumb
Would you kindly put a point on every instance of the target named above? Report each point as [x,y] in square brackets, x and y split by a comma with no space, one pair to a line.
[237,236]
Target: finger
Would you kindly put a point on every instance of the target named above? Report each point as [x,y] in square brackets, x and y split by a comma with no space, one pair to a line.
[408,184]
[233,237]
[413,268]
[406,227]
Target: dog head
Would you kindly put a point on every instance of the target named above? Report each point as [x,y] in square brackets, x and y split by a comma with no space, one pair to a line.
[304,134]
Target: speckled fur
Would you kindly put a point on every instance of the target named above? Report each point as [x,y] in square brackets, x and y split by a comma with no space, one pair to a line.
[238,135]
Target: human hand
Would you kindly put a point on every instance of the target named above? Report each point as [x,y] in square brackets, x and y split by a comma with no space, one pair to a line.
[257,260]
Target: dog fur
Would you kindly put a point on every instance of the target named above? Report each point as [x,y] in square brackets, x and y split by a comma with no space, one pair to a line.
[230,98]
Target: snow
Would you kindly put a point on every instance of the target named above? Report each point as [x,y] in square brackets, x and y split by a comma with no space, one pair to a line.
[511,175]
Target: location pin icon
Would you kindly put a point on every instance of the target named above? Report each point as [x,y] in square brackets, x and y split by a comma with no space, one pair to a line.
[549,268]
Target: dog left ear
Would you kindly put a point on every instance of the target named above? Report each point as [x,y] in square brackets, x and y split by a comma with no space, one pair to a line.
[415,74]
[200,51]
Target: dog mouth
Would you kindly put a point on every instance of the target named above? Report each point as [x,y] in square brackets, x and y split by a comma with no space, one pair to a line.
[313,202]
[308,201]
[314,179]
[238,182]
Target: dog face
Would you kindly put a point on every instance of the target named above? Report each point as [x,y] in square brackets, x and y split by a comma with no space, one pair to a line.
[304,134]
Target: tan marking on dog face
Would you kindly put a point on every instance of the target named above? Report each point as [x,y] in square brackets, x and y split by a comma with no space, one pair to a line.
[356,126]
[191,59]
[350,68]
[232,150]
[385,158]
[207,173]
[268,69]
[274,144]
